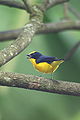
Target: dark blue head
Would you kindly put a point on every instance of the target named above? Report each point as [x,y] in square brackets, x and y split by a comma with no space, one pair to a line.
[34,55]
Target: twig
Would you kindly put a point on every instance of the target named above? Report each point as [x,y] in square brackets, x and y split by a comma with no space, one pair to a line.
[46,28]
[39,83]
[72,51]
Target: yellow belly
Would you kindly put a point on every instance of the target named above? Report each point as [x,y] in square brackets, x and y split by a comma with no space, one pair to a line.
[45,67]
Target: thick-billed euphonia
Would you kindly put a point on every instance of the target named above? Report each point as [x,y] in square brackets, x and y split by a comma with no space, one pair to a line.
[42,63]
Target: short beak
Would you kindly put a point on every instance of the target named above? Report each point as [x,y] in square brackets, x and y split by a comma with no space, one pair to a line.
[28,57]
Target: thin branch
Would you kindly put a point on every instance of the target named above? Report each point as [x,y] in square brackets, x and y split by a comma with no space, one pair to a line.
[39,83]
[28,6]
[66,10]
[72,51]
[61,26]
[24,39]
[9,35]
[74,11]
[50,3]
[16,32]
[13,3]
[46,28]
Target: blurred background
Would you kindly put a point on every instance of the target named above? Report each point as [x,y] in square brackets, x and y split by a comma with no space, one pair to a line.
[21,104]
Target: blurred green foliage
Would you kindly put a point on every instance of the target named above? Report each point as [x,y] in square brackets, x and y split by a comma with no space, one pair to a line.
[20,104]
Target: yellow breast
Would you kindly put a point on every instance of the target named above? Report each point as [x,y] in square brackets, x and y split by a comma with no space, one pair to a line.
[45,67]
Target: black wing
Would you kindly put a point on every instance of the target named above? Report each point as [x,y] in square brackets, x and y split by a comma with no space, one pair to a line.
[47,59]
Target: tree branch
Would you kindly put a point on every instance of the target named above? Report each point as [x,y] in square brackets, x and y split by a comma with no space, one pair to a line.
[28,6]
[74,11]
[13,3]
[9,35]
[72,51]
[61,26]
[39,83]
[50,3]
[66,16]
[46,28]
[20,5]
[24,38]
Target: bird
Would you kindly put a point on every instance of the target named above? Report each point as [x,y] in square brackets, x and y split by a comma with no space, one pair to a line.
[42,63]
